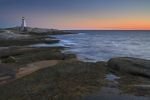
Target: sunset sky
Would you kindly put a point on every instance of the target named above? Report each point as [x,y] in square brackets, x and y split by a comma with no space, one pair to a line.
[77,14]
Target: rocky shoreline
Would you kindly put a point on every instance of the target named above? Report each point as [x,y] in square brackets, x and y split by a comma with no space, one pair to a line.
[31,73]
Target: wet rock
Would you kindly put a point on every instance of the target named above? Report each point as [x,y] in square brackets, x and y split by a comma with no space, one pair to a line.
[133,66]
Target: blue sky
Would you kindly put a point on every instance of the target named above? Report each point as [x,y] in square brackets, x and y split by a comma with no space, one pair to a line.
[77,14]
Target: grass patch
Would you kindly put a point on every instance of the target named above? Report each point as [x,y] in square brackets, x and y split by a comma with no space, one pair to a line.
[24,42]
[22,56]
[65,81]
[42,54]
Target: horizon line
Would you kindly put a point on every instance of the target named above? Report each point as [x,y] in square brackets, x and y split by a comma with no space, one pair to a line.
[107,29]
[82,29]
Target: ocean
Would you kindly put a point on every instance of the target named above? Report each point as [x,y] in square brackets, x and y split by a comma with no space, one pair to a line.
[93,45]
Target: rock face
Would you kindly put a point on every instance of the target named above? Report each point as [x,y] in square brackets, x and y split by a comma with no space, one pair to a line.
[134,66]
[9,35]
[38,31]
[14,37]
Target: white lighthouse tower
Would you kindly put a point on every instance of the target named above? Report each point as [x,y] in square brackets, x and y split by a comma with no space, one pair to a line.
[23,25]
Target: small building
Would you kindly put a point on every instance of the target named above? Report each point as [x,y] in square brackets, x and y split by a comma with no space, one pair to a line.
[23,27]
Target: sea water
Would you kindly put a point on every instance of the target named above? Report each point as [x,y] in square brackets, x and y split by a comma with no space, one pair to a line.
[93,45]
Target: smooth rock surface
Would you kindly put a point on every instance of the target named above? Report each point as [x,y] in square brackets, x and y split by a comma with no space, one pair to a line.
[7,35]
[134,66]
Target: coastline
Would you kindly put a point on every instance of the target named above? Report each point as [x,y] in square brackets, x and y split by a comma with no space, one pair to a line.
[69,78]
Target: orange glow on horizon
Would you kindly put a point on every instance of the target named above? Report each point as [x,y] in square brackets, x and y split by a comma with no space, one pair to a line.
[125,23]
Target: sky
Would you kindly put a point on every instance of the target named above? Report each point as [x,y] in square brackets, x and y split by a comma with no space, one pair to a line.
[77,14]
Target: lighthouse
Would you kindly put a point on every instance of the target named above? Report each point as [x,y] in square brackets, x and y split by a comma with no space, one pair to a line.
[23,25]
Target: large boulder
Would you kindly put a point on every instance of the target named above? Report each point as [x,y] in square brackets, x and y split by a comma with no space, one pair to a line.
[134,66]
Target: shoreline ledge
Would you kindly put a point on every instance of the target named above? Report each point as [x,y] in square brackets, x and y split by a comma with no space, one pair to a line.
[13,37]
[49,74]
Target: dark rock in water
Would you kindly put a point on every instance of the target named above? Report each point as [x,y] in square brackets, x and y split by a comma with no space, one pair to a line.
[133,66]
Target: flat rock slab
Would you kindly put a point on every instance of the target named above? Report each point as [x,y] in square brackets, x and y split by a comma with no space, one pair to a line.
[142,86]
[134,66]
[32,67]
